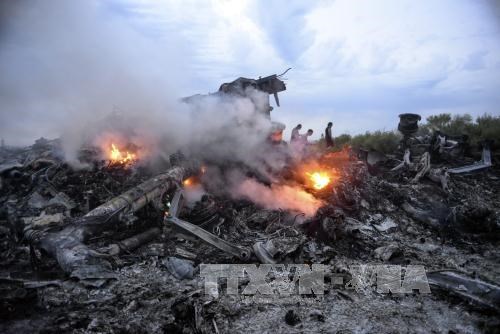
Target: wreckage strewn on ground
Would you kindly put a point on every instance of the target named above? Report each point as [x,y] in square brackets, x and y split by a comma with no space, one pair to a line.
[117,248]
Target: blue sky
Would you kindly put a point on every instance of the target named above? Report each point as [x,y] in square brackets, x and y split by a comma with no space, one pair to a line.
[357,63]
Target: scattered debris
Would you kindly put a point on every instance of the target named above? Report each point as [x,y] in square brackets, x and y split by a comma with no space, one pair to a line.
[484,163]
[91,249]
[485,294]
[385,253]
[241,253]
[180,268]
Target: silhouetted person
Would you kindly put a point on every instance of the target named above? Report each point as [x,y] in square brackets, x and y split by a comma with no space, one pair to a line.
[298,144]
[304,136]
[295,133]
[328,135]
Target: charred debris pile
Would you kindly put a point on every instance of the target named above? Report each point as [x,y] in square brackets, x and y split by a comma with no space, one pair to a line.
[115,247]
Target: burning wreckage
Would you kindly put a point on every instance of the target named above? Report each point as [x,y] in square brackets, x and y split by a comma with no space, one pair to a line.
[118,248]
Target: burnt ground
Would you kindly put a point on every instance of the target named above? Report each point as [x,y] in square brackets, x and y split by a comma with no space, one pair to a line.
[368,219]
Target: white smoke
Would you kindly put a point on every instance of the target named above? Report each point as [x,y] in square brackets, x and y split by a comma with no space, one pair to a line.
[285,197]
[67,64]
[79,71]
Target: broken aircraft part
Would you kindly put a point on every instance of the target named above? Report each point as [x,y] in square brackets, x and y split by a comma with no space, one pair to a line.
[240,252]
[485,162]
[480,292]
[272,85]
[68,247]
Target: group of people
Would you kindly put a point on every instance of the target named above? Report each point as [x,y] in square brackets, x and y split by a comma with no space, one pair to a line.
[299,142]
[302,138]
[297,137]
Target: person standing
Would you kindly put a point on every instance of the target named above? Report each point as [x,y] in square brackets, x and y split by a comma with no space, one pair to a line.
[303,137]
[295,133]
[328,135]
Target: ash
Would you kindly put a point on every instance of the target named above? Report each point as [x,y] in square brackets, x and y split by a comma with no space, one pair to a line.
[138,271]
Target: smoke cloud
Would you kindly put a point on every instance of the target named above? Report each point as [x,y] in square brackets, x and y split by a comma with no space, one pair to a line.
[284,197]
[67,65]
[80,71]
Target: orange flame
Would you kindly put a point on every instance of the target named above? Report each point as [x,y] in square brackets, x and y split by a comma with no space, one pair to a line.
[117,156]
[319,179]
[187,182]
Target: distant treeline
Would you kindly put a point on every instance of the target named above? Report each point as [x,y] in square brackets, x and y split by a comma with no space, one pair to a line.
[483,127]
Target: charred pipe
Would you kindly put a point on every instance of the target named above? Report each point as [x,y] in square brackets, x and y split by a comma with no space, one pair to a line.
[68,247]
[131,243]
[137,197]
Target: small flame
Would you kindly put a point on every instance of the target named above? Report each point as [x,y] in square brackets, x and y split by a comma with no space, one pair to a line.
[187,182]
[319,179]
[116,156]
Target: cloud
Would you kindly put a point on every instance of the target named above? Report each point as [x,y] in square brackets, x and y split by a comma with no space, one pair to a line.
[371,61]
[284,24]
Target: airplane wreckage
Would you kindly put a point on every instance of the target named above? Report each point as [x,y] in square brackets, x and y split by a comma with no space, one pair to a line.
[118,248]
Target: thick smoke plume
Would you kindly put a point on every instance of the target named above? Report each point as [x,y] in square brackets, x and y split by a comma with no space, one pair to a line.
[78,70]
[66,64]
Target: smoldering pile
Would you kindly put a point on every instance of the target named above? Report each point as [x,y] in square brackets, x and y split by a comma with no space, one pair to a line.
[112,206]
[108,246]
